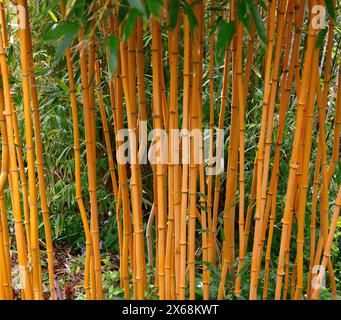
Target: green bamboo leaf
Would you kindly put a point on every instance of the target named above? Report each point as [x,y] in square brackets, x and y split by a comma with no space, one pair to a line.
[263,5]
[60,31]
[113,44]
[79,9]
[10,53]
[202,208]
[122,11]
[320,37]
[331,9]
[242,14]
[154,7]
[225,34]
[69,37]
[202,195]
[215,25]
[53,16]
[258,74]
[192,20]
[174,7]
[69,6]
[258,20]
[137,4]
[130,23]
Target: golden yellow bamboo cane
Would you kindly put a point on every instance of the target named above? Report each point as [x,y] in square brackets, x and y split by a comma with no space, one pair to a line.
[19,230]
[4,249]
[185,158]
[91,167]
[3,24]
[337,130]
[231,180]
[6,241]
[159,166]
[211,127]
[79,196]
[105,127]
[123,183]
[194,114]
[325,179]
[217,185]
[282,6]
[173,214]
[136,205]
[304,183]
[39,156]
[285,94]
[108,144]
[25,67]
[326,253]
[204,219]
[241,101]
[294,157]
[260,153]
[23,177]
[4,286]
